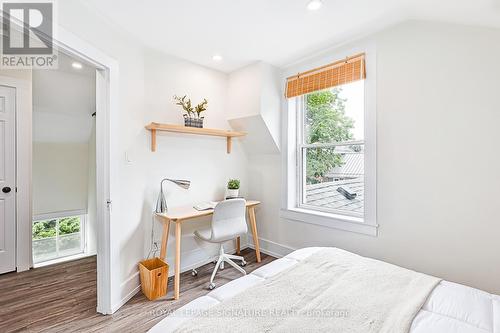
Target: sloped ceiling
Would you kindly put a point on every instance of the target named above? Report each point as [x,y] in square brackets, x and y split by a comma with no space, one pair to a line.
[63,103]
[278,32]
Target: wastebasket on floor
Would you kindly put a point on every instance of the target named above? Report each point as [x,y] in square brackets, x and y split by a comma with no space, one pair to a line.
[154,277]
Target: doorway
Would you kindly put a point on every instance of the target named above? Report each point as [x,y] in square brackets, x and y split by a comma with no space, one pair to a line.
[64,162]
[107,100]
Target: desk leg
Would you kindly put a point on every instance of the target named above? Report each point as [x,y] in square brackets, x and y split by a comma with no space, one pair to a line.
[238,245]
[164,240]
[253,225]
[177,277]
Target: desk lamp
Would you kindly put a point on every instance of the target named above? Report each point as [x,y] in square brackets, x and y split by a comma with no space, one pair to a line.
[161,203]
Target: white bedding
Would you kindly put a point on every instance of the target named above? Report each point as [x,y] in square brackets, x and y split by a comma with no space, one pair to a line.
[450,307]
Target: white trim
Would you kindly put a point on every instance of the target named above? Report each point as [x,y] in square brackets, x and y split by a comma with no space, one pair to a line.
[82,214]
[340,222]
[56,215]
[270,248]
[63,259]
[107,100]
[290,189]
[127,298]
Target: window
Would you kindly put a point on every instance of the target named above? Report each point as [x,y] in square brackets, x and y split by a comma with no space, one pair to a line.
[330,141]
[58,237]
[331,150]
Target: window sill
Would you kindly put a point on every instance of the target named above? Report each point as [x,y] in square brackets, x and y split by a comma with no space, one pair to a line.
[62,259]
[341,222]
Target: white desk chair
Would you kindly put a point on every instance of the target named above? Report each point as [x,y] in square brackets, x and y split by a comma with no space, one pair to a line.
[228,222]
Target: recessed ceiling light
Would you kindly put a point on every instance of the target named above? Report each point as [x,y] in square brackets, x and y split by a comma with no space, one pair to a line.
[314,4]
[77,65]
[217,57]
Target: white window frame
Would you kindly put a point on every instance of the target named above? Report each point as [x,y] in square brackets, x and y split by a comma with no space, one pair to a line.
[59,215]
[292,209]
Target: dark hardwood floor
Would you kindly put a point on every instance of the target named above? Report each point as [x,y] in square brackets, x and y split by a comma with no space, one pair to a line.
[62,298]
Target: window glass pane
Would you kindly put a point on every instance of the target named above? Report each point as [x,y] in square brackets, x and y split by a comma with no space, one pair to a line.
[69,240]
[44,240]
[69,244]
[335,115]
[334,178]
[333,175]
[69,225]
[55,238]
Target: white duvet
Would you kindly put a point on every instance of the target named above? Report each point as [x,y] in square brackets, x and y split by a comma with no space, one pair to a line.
[450,307]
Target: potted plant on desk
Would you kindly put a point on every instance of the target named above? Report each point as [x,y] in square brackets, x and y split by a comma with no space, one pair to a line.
[233,188]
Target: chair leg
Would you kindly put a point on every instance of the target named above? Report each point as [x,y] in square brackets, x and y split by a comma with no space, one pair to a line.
[232,256]
[216,268]
[232,263]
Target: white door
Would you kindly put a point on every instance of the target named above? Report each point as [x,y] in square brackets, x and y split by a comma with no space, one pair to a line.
[7,179]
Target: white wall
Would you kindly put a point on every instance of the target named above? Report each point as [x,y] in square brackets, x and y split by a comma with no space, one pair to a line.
[202,160]
[253,106]
[148,80]
[62,106]
[437,170]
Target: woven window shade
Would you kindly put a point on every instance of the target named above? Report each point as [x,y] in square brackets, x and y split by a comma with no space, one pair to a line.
[340,72]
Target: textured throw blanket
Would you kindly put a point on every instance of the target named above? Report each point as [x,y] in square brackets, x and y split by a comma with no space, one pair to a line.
[330,291]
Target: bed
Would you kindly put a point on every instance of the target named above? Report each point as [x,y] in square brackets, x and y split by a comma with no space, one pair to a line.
[449,307]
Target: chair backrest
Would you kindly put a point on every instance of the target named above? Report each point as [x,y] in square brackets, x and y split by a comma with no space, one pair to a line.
[229,220]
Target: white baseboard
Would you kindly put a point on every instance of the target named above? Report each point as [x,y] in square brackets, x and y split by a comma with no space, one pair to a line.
[133,286]
[271,248]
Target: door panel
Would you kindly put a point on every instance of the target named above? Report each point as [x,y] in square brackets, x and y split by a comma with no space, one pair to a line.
[7,179]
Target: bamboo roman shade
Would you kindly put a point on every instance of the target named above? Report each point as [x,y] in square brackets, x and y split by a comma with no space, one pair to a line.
[340,72]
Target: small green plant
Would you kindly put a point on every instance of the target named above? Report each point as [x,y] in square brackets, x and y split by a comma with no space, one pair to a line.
[185,103]
[187,106]
[201,107]
[233,184]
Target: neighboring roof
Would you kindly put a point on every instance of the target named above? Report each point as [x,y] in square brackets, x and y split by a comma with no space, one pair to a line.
[325,195]
[353,166]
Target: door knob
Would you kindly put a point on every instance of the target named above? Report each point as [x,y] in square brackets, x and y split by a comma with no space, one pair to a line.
[6,189]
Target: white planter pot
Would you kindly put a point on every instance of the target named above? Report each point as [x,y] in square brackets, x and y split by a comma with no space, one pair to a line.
[232,193]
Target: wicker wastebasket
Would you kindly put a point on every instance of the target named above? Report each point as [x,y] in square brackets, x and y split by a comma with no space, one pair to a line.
[154,277]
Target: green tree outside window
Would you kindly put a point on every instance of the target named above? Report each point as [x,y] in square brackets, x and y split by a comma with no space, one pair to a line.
[47,228]
[325,122]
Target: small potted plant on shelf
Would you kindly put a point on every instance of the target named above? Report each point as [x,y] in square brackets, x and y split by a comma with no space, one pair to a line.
[233,188]
[192,117]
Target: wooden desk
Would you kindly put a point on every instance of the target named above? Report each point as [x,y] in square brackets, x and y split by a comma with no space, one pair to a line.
[180,214]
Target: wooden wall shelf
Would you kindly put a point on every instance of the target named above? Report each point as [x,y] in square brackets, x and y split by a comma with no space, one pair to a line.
[153,127]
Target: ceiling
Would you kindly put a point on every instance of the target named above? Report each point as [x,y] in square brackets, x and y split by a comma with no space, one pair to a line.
[63,102]
[275,31]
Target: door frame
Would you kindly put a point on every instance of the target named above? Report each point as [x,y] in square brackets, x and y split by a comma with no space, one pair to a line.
[107,99]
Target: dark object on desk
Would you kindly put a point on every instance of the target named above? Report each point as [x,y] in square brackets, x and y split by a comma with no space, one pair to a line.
[347,192]
[229,198]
